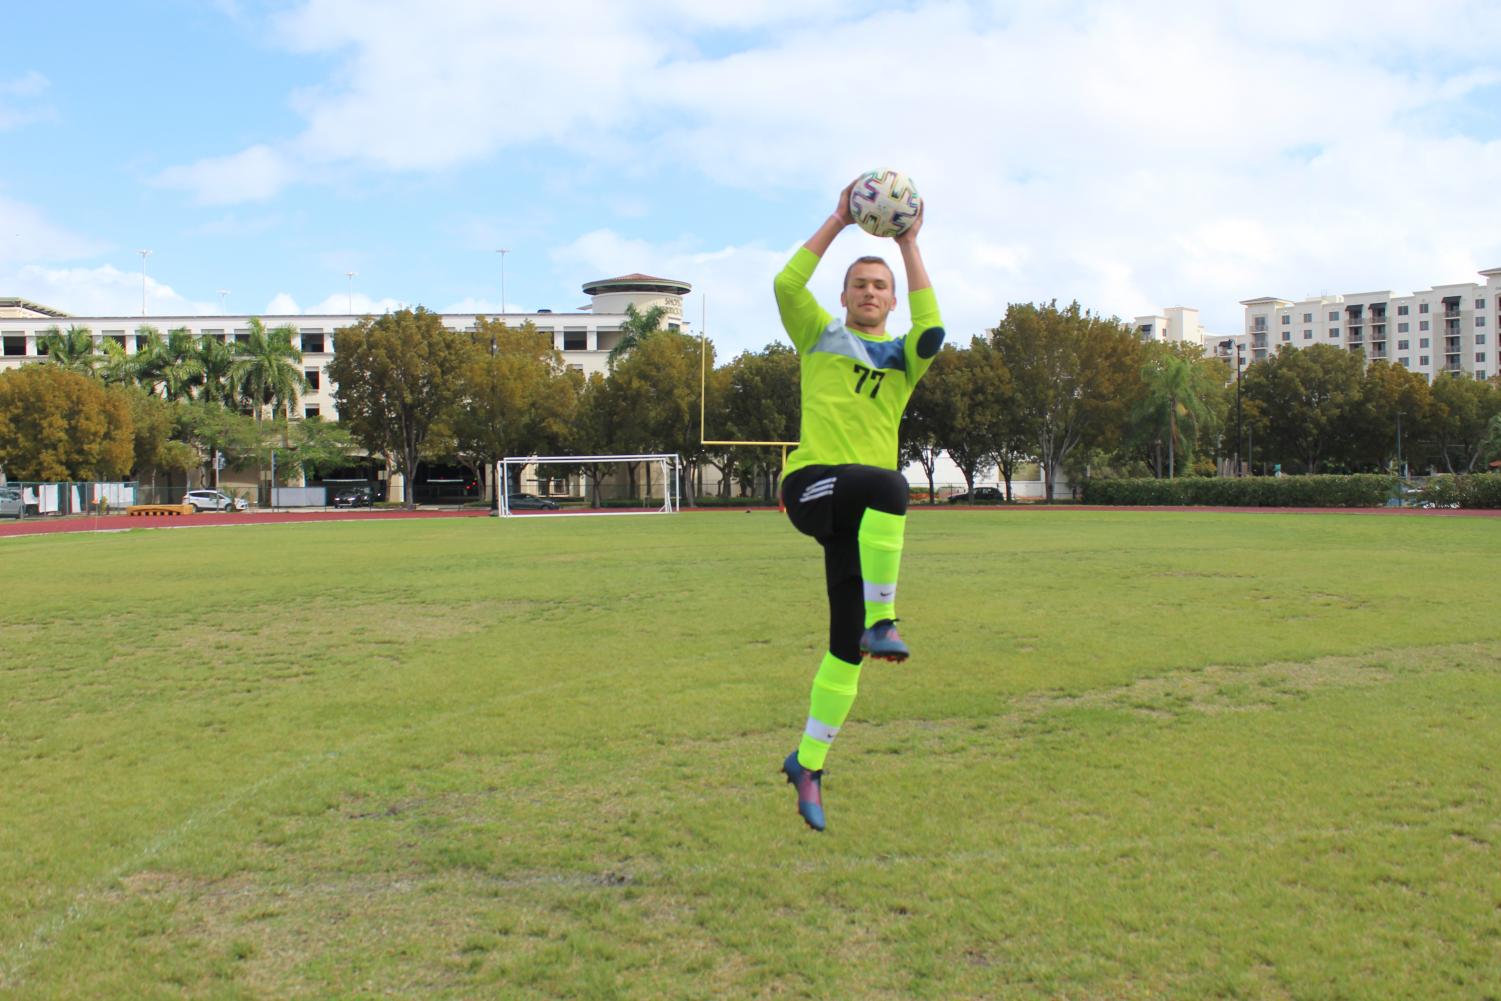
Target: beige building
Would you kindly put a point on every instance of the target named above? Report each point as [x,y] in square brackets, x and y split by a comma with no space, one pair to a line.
[584,337]
[1447,329]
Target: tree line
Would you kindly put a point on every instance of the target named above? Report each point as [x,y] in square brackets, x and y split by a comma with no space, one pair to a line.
[1074,392]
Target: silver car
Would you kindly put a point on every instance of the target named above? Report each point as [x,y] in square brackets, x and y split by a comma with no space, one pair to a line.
[213,500]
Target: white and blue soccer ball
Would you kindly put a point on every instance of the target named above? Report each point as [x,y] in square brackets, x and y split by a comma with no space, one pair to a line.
[884,202]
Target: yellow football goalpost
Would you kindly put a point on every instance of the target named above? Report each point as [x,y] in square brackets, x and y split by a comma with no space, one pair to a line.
[703,395]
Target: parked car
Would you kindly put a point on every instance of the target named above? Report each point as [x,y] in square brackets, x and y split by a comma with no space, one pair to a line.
[530,502]
[213,500]
[980,495]
[353,495]
[10,502]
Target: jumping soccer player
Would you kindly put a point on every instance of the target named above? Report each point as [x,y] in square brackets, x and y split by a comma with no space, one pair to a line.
[842,484]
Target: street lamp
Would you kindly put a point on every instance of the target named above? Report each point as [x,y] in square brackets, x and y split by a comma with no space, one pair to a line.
[222,293]
[144,254]
[503,254]
[1401,470]
[351,276]
[1225,345]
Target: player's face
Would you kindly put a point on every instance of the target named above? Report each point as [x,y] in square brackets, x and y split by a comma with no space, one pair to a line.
[869,296]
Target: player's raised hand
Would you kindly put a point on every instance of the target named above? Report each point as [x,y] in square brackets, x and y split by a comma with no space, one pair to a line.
[908,236]
[842,210]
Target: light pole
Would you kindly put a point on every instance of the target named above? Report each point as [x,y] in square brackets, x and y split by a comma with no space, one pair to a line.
[1401,471]
[1225,344]
[222,293]
[351,275]
[503,254]
[144,254]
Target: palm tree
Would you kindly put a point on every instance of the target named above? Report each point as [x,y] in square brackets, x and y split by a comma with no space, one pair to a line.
[215,361]
[1173,387]
[74,350]
[267,370]
[637,327]
[150,357]
[118,368]
[181,369]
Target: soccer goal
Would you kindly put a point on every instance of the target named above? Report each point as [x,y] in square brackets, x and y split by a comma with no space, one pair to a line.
[589,484]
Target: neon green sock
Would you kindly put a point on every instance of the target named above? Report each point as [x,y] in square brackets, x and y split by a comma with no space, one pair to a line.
[834,689]
[880,559]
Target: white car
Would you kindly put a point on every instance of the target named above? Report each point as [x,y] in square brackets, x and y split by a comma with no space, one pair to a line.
[213,500]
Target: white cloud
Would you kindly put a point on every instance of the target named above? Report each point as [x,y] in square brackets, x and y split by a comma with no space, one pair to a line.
[253,174]
[27,235]
[1130,156]
[104,291]
[18,105]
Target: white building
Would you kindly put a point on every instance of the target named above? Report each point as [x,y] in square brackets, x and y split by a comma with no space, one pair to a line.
[584,337]
[1175,325]
[1447,329]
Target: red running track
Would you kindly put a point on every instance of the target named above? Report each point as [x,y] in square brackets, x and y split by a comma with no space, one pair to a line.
[122,522]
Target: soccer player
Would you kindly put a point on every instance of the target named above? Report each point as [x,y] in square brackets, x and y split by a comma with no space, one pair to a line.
[842,485]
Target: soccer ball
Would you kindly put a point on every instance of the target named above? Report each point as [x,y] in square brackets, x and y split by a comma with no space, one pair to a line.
[884,202]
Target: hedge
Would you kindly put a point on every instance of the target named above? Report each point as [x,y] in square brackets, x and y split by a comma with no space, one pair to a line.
[1463,490]
[1366,490]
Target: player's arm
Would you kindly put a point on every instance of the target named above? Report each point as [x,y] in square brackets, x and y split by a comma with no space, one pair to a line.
[926,336]
[802,317]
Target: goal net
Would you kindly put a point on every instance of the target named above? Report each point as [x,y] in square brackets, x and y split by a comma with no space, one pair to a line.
[588,484]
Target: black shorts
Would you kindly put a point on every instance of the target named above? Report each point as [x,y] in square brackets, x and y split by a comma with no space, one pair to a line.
[827,503]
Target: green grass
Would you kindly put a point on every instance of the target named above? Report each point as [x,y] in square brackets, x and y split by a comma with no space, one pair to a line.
[1136,755]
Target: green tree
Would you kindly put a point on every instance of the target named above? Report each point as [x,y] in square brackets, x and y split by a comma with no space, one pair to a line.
[1464,409]
[658,387]
[216,361]
[217,431]
[1391,398]
[74,349]
[1301,404]
[635,329]
[117,367]
[595,429]
[181,369]
[267,370]
[517,398]
[1173,405]
[1076,377]
[398,375]
[57,424]
[761,403]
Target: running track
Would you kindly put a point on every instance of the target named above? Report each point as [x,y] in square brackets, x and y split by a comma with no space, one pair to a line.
[120,522]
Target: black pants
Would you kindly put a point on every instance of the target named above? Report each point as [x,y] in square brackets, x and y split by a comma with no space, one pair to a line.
[827,502]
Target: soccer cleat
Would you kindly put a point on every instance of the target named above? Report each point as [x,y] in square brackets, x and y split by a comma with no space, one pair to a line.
[809,785]
[883,642]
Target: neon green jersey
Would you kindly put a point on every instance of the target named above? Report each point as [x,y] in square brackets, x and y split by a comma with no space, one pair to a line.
[854,385]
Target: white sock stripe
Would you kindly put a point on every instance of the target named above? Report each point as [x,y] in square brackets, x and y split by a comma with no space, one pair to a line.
[820,731]
[880,592]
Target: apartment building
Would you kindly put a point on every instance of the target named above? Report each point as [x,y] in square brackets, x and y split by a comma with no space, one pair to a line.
[585,337]
[1447,329]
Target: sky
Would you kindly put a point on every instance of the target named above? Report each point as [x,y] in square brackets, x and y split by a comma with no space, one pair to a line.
[1130,156]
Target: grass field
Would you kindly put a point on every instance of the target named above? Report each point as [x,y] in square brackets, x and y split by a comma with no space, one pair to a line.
[1135,755]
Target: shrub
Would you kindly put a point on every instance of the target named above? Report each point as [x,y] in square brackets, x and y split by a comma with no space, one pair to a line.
[1478,490]
[1366,490]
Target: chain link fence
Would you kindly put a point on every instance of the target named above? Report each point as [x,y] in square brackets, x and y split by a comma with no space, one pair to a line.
[30,499]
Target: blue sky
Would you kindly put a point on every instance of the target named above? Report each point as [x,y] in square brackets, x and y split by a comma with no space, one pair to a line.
[1131,156]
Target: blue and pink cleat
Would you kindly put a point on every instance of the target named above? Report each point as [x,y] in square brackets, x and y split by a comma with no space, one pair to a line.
[809,785]
[883,642]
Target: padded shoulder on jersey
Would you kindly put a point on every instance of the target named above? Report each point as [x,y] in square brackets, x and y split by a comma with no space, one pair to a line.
[929,341]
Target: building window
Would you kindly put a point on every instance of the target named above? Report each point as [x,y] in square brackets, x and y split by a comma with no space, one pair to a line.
[1479,338]
[1333,331]
[1479,303]
[1403,362]
[312,343]
[575,367]
[1422,342]
[1308,335]
[1402,327]
[15,345]
[1423,360]
[1401,345]
[1422,307]
[1287,335]
[1307,317]
[1401,310]
[242,337]
[1286,319]
[1479,321]
[311,410]
[1480,357]
[116,336]
[1334,314]
[313,377]
[1422,324]
[575,340]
